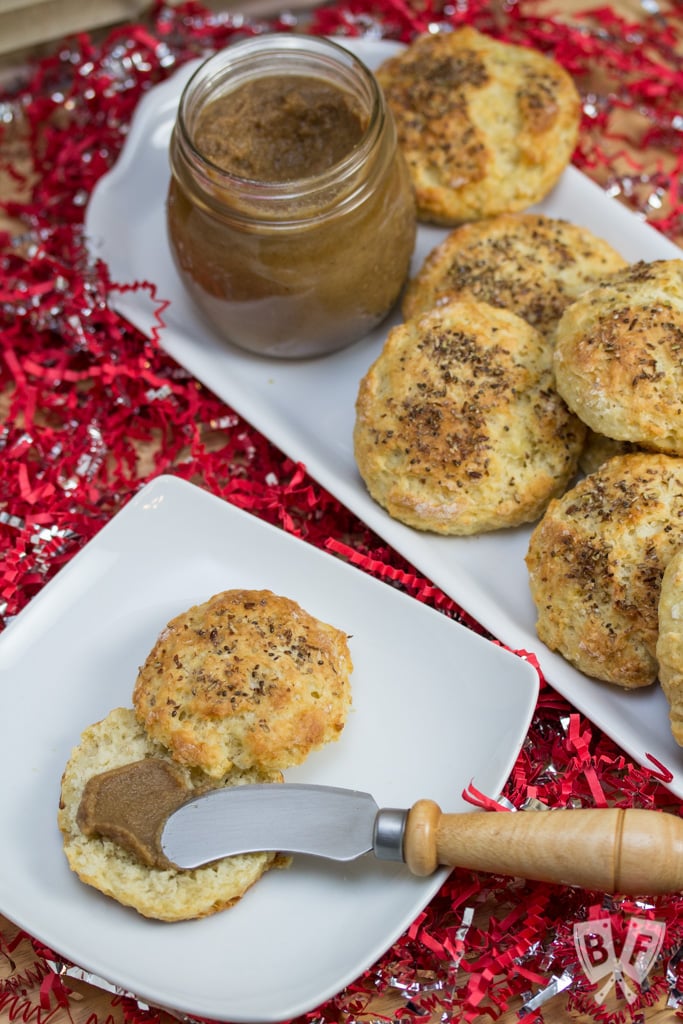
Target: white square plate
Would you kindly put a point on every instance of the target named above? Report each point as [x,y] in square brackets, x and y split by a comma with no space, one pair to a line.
[307,408]
[435,707]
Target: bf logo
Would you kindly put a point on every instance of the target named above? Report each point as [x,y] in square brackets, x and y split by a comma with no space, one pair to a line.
[595,945]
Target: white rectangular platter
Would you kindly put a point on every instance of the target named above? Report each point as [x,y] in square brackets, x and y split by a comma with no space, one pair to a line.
[435,706]
[307,408]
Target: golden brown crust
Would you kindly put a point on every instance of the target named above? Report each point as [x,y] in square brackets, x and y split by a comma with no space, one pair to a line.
[529,263]
[166,894]
[670,642]
[596,561]
[458,427]
[618,356]
[248,678]
[486,127]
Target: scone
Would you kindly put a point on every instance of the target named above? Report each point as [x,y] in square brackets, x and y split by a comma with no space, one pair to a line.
[529,263]
[670,642]
[486,127]
[246,679]
[596,561]
[165,894]
[619,356]
[458,428]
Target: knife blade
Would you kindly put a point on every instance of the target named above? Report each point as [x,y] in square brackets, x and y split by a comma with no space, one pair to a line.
[631,851]
[339,824]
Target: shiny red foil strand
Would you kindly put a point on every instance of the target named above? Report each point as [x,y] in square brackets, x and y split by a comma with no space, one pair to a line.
[87,394]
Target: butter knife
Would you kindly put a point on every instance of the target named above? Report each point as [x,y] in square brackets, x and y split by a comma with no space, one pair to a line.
[630,851]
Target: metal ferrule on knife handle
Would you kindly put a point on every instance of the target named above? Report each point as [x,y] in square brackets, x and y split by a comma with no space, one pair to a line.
[388,838]
[614,850]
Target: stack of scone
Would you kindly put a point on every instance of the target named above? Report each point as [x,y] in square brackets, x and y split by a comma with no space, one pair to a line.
[529,350]
[234,691]
[459,428]
[597,558]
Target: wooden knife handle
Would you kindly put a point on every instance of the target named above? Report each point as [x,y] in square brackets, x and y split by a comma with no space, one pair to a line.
[613,850]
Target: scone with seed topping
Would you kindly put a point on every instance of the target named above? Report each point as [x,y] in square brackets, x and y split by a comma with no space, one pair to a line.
[596,561]
[486,127]
[618,356]
[458,428]
[529,263]
[246,679]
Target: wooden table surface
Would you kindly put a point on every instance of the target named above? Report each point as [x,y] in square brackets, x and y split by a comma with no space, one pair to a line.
[24,991]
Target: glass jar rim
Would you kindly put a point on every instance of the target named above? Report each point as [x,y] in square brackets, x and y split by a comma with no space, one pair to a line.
[239,61]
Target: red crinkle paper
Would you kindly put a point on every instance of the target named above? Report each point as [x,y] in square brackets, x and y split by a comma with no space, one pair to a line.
[93,410]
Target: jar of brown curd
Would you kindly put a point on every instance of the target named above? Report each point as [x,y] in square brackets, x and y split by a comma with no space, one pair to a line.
[290,214]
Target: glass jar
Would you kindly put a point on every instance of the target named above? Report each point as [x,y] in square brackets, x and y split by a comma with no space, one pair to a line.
[289,266]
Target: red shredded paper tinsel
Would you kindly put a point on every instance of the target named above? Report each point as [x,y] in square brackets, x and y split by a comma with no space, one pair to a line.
[94,410]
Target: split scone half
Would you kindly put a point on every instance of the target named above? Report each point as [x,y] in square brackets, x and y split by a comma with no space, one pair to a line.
[458,427]
[596,561]
[247,679]
[618,356]
[529,263]
[163,893]
[486,127]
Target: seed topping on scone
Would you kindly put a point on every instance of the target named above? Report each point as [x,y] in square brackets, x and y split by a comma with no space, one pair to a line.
[247,678]
[486,127]
[529,263]
[458,427]
[596,560]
